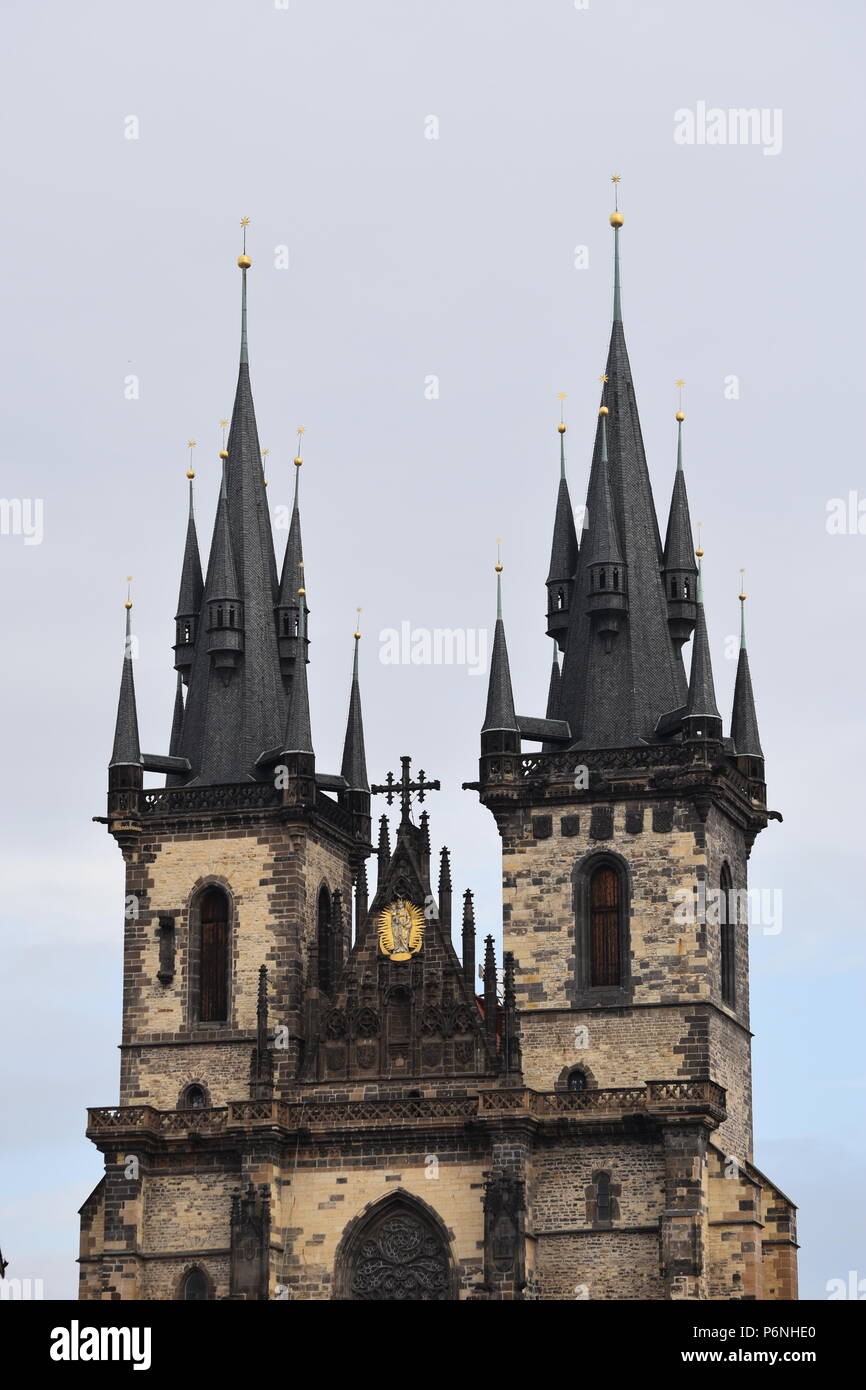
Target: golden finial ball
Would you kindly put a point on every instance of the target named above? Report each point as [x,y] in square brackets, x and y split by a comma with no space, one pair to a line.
[742,598]
[190,474]
[224,453]
[604,410]
[358,635]
[297,461]
[498,569]
[127,605]
[562,428]
[244,261]
[680,416]
[699,554]
[616,219]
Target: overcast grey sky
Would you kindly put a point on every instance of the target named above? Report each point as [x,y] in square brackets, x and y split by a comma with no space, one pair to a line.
[412,257]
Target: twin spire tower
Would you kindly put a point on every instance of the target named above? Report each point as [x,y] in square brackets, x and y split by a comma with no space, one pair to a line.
[319,1103]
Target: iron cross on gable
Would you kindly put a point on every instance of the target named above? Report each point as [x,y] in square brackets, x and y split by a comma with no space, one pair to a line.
[405,787]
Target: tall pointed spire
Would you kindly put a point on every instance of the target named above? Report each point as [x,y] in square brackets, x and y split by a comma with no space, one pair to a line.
[702,718]
[500,716]
[613,692]
[236,708]
[563,552]
[299,738]
[744,721]
[127,749]
[354,766]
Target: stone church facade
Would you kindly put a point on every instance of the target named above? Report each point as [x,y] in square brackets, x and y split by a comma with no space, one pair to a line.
[320,1095]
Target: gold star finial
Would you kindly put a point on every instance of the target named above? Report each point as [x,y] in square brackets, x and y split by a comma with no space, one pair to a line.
[243,259]
[603,378]
[298,458]
[616,218]
[562,425]
[742,594]
[498,566]
[699,552]
[189,472]
[679,385]
[358,623]
[128,603]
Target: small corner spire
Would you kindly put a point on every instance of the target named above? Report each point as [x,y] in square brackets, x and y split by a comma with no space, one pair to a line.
[127,748]
[354,765]
[744,721]
[500,714]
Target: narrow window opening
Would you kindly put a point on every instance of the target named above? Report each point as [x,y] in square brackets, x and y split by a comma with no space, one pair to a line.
[605,965]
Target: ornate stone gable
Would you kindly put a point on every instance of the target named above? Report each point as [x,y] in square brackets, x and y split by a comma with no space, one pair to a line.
[398,1018]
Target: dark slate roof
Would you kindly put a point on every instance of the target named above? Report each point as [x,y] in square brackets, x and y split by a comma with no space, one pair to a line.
[744,721]
[679,551]
[500,699]
[702,695]
[228,723]
[191,583]
[615,698]
[299,738]
[354,766]
[127,749]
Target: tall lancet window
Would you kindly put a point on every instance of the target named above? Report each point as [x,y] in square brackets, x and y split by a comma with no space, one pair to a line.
[324,940]
[605,907]
[728,939]
[214,962]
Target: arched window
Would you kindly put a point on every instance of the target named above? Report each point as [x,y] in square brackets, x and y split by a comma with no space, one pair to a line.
[616,579]
[673,588]
[396,1252]
[285,624]
[685,588]
[214,961]
[196,1286]
[194,1098]
[231,617]
[601,579]
[560,598]
[727,937]
[605,907]
[576,1080]
[324,939]
[219,616]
